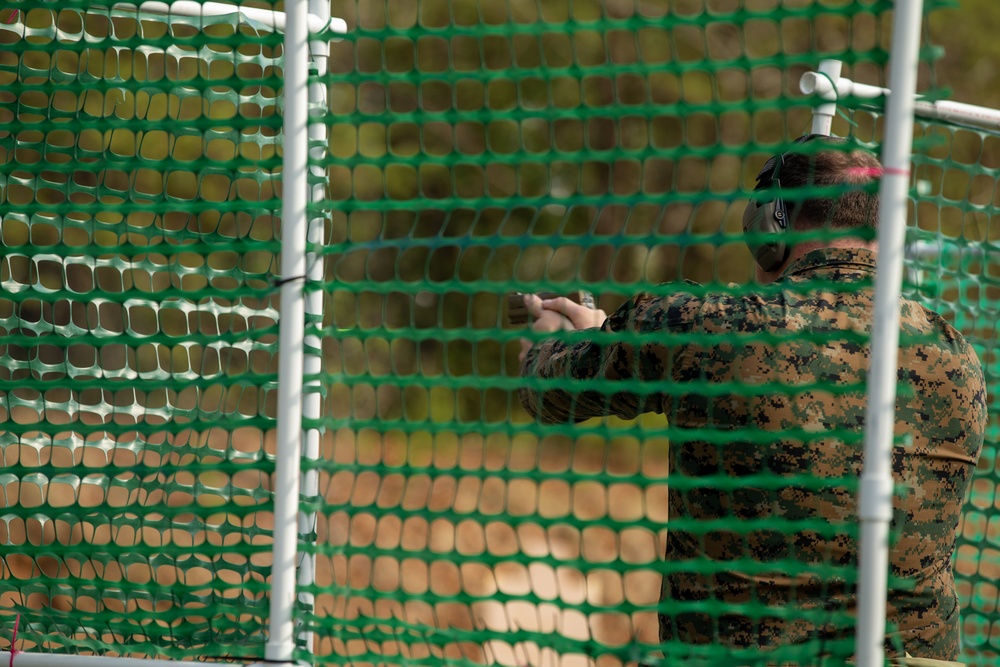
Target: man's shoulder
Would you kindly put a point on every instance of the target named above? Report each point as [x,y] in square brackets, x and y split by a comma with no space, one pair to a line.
[934,353]
[692,306]
[920,324]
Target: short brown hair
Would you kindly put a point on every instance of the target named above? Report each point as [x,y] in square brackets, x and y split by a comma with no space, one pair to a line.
[855,170]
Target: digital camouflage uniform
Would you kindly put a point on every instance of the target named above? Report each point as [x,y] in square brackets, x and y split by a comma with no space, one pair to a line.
[805,336]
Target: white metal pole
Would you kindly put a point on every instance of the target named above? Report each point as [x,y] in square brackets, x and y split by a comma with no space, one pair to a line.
[281,640]
[822,121]
[319,51]
[876,485]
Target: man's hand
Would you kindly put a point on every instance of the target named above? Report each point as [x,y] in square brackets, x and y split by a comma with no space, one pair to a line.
[580,317]
[558,314]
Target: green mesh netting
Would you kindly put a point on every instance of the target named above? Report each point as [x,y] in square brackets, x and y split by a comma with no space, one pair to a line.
[138,167]
[480,148]
[952,268]
[476,148]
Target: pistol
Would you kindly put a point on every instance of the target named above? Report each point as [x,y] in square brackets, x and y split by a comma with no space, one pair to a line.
[517,313]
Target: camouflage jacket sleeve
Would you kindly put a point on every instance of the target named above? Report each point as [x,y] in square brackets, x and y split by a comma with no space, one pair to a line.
[591,369]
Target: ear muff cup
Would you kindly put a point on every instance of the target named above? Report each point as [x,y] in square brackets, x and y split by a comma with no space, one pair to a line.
[769,219]
[766,218]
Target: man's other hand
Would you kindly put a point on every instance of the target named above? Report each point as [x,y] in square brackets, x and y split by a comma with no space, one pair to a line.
[559,314]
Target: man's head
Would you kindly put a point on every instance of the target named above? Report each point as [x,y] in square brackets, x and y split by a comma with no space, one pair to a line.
[847,172]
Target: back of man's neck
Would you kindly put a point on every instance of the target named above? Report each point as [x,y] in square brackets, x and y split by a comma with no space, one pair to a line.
[849,242]
[806,247]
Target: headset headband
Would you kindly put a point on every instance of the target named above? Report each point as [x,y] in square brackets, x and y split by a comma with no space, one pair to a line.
[771,170]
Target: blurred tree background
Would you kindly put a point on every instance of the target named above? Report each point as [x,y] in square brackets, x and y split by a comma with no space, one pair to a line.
[964,32]
[480,148]
[563,144]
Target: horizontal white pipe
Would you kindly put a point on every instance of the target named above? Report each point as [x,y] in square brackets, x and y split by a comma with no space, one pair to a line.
[27,659]
[194,9]
[957,112]
[934,249]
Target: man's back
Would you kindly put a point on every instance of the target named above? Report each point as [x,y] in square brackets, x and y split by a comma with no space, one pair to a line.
[807,354]
[766,399]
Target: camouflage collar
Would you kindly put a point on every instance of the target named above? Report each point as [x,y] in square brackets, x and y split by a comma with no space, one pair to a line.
[860,260]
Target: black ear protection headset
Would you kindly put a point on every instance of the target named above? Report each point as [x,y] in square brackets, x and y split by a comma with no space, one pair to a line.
[770,217]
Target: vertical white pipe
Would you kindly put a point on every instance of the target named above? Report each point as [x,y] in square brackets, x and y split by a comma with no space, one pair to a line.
[281,642]
[822,121]
[875,493]
[319,52]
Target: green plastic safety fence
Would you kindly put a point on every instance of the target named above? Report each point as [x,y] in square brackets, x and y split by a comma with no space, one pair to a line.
[476,148]
[482,148]
[952,269]
[139,182]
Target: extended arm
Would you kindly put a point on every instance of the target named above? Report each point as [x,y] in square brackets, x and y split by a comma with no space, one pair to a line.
[585,370]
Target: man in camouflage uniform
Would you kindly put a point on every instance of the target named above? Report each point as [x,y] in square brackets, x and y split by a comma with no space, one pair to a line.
[795,353]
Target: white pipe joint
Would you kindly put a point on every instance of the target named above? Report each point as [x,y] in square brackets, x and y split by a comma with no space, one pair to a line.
[815,83]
